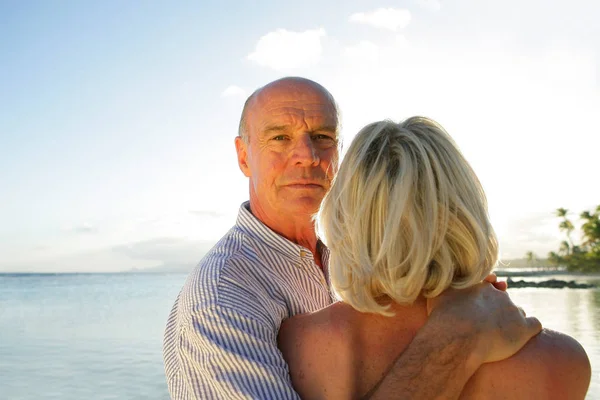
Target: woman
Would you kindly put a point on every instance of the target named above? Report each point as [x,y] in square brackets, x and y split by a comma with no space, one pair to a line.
[406,219]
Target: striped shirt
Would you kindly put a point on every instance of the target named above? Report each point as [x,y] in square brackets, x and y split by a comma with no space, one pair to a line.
[221,336]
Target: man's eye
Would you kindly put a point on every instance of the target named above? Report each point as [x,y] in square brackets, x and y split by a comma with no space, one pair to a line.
[279,137]
[323,138]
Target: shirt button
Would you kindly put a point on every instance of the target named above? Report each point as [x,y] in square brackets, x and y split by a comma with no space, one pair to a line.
[302,253]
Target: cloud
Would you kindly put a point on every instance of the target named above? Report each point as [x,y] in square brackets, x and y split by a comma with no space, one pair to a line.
[166,251]
[362,50]
[85,229]
[384,18]
[156,254]
[285,50]
[370,54]
[532,231]
[433,5]
[234,91]
[534,219]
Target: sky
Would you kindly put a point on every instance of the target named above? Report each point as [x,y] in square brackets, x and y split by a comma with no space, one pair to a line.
[117,119]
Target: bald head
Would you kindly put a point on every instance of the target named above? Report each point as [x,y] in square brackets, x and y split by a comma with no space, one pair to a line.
[288,147]
[288,85]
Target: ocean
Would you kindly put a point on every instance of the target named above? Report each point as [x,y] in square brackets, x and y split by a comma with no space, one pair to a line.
[99,336]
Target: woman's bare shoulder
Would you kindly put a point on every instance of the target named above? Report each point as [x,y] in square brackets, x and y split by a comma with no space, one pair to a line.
[314,345]
[332,320]
[551,365]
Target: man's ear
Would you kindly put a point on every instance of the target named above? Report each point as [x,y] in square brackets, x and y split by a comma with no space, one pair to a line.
[242,154]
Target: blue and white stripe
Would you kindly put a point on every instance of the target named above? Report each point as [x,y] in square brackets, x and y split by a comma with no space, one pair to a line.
[221,335]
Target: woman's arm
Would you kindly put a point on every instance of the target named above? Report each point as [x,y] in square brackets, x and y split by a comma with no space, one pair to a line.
[551,366]
[465,329]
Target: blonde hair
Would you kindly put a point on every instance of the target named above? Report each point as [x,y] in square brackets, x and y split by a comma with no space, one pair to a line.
[406,216]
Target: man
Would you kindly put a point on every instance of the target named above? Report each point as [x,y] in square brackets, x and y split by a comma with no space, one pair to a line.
[221,336]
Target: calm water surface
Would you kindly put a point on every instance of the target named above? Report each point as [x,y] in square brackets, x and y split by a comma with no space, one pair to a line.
[99,336]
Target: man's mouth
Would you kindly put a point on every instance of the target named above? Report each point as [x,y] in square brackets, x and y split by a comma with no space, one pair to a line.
[305,185]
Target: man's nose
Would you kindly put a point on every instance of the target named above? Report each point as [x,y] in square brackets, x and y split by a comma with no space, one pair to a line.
[305,153]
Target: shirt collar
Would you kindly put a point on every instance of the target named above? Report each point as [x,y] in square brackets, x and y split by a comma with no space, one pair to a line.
[256,229]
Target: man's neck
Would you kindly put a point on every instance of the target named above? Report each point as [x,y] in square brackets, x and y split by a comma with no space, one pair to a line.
[297,229]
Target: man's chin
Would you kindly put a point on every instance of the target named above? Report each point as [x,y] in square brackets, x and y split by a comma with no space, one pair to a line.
[301,206]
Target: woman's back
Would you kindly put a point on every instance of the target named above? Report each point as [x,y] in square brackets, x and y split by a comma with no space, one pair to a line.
[406,219]
[340,353]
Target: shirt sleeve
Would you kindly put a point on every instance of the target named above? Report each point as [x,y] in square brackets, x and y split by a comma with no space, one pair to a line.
[225,354]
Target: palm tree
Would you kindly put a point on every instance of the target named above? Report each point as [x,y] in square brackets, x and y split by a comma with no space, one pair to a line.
[531,258]
[565,224]
[565,248]
[586,215]
[554,258]
[591,229]
[586,255]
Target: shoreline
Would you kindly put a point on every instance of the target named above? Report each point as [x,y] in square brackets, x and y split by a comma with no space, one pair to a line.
[549,284]
[526,272]
[554,279]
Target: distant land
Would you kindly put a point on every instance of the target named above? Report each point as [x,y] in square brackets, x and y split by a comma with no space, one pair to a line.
[503,265]
[524,263]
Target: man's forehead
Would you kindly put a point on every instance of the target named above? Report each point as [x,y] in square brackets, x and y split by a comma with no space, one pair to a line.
[281,108]
[281,117]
